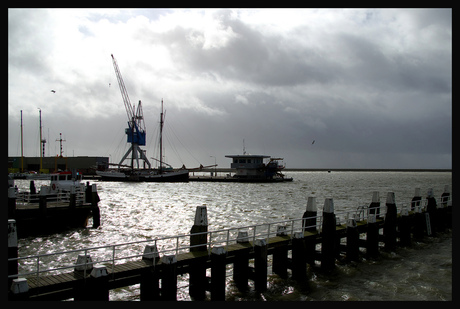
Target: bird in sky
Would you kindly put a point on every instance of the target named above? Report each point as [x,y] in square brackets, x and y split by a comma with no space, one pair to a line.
[313,142]
[53,91]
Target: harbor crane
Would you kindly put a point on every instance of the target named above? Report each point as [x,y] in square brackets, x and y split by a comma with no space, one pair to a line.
[136,126]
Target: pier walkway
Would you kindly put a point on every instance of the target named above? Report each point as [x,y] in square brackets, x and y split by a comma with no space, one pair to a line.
[317,240]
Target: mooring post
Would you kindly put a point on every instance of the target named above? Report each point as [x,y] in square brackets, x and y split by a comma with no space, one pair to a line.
[218,256]
[19,289]
[260,264]
[11,203]
[443,208]
[299,261]
[198,241]
[12,249]
[372,237]
[389,226]
[328,232]
[98,284]
[169,277]
[419,222]
[241,264]
[352,240]
[280,255]
[432,210]
[94,207]
[374,207]
[416,200]
[449,214]
[150,285]
[309,224]
[404,228]
[33,191]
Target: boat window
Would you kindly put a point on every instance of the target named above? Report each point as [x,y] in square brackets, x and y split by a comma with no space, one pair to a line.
[62,177]
[53,178]
[249,160]
[242,161]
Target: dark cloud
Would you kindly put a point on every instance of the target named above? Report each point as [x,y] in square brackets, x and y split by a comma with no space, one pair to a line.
[372,88]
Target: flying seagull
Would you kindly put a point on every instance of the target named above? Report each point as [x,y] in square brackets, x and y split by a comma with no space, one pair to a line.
[53,91]
[313,142]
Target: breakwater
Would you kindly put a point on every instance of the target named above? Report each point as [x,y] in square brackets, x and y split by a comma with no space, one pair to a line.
[316,240]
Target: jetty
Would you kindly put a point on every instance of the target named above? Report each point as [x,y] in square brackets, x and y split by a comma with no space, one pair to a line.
[38,214]
[317,240]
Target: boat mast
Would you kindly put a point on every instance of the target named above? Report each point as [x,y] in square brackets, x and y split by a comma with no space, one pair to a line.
[22,148]
[42,142]
[161,139]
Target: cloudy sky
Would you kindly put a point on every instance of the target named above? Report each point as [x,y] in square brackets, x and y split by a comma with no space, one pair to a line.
[372,88]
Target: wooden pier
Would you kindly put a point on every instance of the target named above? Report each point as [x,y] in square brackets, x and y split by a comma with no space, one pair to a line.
[315,240]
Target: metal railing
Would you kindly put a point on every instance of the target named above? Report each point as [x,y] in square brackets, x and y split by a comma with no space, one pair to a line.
[25,198]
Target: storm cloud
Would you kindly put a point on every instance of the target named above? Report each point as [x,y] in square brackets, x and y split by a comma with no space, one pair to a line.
[373,88]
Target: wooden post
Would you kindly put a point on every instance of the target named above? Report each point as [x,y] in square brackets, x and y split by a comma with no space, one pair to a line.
[449,214]
[12,249]
[33,191]
[416,200]
[98,284]
[328,232]
[88,191]
[199,239]
[372,237]
[94,207]
[309,216]
[241,264]
[432,211]
[218,256]
[280,255]
[389,226]
[260,264]
[169,277]
[419,223]
[11,203]
[443,218]
[150,287]
[374,207]
[404,228]
[299,261]
[19,290]
[352,240]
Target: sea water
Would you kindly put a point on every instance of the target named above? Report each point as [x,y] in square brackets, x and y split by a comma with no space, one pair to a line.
[142,211]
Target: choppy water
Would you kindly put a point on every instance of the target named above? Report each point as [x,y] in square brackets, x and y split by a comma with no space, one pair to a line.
[139,211]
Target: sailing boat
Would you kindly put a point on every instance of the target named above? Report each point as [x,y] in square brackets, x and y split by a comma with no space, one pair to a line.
[161,174]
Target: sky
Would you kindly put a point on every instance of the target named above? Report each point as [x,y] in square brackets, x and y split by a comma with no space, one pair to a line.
[322,88]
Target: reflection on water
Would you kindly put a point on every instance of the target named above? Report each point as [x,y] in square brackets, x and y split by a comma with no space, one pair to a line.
[140,211]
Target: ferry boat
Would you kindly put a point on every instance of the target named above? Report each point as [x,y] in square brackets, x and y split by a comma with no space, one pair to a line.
[252,168]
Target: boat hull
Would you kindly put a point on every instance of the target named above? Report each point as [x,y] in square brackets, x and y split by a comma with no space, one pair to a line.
[178,176]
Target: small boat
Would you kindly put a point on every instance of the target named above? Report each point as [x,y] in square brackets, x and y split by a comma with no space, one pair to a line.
[251,168]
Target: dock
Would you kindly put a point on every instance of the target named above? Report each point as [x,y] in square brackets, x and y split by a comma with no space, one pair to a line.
[40,214]
[318,240]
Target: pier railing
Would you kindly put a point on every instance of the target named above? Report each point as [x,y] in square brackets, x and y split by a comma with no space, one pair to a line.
[110,255]
[25,198]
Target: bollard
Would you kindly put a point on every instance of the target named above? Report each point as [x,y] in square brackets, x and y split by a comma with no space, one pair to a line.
[169,277]
[241,263]
[11,203]
[150,285]
[309,216]
[416,200]
[372,237]
[199,239]
[84,263]
[352,240]
[260,264]
[389,226]
[98,284]
[218,257]
[19,289]
[432,210]
[328,232]
[404,228]
[374,207]
[94,207]
[280,255]
[299,262]
[12,249]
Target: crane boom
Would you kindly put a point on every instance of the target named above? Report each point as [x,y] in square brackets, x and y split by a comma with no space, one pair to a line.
[124,92]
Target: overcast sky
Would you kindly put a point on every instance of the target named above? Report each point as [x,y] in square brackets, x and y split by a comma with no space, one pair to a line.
[372,88]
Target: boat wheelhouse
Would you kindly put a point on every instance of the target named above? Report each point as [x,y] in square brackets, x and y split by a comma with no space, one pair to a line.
[257,168]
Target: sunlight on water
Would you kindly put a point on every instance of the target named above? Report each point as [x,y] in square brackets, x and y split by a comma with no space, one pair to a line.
[142,211]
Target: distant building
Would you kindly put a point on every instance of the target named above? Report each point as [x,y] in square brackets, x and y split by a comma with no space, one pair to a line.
[84,164]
